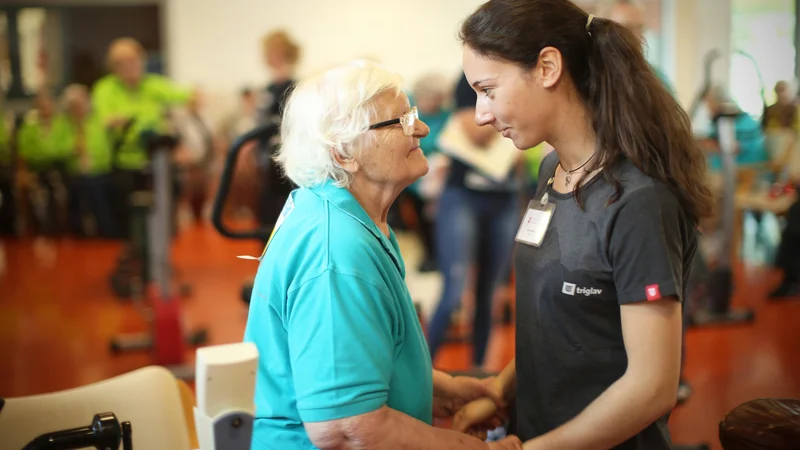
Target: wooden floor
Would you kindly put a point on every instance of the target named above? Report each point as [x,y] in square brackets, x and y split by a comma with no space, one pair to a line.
[57,315]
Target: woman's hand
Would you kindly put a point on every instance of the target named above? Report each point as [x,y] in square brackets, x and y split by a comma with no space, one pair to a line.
[477,418]
[450,394]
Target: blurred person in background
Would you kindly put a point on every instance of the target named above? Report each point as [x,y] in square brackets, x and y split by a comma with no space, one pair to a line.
[45,165]
[131,102]
[281,55]
[195,155]
[751,148]
[244,185]
[475,226]
[783,114]
[79,133]
[431,94]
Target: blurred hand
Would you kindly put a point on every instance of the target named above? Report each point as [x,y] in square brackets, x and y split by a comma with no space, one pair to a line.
[451,394]
[507,443]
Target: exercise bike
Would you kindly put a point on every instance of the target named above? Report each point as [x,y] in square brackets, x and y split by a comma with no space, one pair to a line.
[716,309]
[260,134]
[153,212]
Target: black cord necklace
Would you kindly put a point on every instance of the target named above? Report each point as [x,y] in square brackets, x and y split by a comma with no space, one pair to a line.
[568,179]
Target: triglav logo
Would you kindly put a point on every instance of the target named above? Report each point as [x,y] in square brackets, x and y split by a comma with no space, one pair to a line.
[571,289]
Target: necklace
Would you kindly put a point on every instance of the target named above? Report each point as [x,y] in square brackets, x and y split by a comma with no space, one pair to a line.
[568,179]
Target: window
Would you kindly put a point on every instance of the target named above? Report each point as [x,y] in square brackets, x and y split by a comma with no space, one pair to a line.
[30,28]
[762,39]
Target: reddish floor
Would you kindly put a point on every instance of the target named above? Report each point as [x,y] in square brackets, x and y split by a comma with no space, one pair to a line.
[57,314]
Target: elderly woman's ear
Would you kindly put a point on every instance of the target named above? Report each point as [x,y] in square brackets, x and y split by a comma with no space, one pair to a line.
[349,164]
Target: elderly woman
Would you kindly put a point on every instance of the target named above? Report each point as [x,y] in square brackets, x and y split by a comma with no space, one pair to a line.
[83,138]
[344,362]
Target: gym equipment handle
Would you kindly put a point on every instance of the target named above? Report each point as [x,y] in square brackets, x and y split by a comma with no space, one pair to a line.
[261,133]
[105,432]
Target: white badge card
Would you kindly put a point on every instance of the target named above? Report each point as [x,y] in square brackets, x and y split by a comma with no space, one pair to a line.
[534,224]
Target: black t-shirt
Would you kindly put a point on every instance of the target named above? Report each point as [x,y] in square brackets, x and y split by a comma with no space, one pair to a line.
[569,292]
[461,175]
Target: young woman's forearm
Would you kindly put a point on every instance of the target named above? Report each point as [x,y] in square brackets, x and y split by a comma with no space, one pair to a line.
[506,382]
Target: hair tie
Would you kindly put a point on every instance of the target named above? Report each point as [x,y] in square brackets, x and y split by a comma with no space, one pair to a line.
[589,23]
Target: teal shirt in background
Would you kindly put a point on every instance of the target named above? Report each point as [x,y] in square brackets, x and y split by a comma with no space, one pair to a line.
[336,329]
[664,79]
[752,147]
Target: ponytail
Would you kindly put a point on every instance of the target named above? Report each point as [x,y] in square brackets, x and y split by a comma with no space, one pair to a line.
[635,117]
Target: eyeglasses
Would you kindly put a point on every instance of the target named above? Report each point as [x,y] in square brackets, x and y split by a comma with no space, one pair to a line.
[407,121]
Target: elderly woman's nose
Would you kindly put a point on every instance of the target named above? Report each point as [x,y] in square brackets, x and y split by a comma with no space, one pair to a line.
[421,129]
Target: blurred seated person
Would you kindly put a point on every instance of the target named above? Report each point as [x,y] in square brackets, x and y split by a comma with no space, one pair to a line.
[44,163]
[242,119]
[430,94]
[79,133]
[348,366]
[35,138]
[129,96]
[195,156]
[783,114]
[751,149]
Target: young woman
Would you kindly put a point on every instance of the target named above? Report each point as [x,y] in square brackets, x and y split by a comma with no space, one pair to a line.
[604,250]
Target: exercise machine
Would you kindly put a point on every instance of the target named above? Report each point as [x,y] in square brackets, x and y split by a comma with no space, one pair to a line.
[104,433]
[720,281]
[260,134]
[153,208]
[716,309]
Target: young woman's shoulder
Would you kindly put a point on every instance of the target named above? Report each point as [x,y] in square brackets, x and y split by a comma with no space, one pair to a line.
[644,190]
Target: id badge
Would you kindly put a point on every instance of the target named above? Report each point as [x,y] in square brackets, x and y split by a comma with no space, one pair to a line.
[534,224]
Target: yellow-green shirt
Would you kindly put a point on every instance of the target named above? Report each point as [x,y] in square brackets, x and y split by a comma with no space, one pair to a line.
[97,144]
[35,143]
[146,104]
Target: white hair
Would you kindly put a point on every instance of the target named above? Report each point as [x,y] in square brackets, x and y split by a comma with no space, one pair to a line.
[326,115]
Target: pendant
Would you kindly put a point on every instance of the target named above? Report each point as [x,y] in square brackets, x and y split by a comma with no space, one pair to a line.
[568,180]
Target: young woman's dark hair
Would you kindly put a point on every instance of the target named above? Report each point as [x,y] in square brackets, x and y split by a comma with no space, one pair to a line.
[634,116]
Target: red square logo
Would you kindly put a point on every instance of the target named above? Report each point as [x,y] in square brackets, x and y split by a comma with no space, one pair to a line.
[652,292]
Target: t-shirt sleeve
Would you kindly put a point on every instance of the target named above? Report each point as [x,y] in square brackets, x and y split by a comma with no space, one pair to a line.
[341,347]
[646,247]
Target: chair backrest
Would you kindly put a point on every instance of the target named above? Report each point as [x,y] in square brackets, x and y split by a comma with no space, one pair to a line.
[149,398]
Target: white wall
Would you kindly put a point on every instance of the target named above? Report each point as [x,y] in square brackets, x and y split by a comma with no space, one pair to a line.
[697,28]
[217,43]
